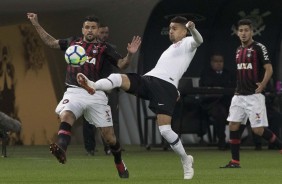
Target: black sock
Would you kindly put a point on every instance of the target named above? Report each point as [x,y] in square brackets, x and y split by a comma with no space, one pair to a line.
[116,151]
[235,145]
[272,138]
[64,135]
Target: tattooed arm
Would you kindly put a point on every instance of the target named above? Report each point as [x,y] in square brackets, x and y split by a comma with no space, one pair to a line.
[47,39]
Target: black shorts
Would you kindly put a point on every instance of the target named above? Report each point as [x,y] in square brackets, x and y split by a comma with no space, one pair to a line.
[161,94]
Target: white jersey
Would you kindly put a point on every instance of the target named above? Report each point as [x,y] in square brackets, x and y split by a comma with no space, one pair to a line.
[175,61]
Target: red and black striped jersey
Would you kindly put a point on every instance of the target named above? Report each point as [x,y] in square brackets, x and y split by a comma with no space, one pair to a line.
[101,57]
[250,63]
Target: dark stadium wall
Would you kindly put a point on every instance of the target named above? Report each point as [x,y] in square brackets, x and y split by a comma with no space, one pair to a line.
[26,89]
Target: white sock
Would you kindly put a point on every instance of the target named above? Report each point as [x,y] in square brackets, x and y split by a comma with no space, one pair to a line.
[109,83]
[172,138]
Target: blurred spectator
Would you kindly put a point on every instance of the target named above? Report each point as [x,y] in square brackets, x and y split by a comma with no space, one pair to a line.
[216,108]
[89,130]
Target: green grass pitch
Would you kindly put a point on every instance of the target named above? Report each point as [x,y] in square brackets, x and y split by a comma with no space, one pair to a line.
[34,164]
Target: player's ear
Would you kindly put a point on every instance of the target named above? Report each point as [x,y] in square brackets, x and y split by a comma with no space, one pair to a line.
[252,32]
[187,32]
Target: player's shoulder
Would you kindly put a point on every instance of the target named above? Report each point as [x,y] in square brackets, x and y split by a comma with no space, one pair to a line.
[259,45]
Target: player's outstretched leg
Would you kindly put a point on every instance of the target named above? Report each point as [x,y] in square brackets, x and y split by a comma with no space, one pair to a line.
[85,83]
[58,152]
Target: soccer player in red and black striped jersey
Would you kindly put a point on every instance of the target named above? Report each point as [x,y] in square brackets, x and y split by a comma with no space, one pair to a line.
[76,101]
[254,70]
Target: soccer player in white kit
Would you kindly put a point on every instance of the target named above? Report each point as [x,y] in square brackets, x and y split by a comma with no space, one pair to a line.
[159,85]
[254,70]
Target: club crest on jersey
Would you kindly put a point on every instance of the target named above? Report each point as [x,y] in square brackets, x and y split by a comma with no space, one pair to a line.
[95,51]
[249,54]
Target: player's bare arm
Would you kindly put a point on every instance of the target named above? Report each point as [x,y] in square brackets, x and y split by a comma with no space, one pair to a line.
[46,38]
[194,32]
[131,49]
[266,78]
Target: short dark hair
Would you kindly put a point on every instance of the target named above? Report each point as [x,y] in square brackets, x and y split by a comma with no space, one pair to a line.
[91,18]
[179,19]
[247,22]
[103,25]
[216,54]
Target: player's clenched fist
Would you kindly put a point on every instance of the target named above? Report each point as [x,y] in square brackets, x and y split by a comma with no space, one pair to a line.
[33,18]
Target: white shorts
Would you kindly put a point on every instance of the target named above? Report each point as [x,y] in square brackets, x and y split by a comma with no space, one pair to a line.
[250,106]
[93,107]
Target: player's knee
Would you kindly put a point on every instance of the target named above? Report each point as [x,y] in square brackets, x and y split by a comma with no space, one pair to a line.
[109,140]
[115,79]
[164,130]
[67,116]
[258,131]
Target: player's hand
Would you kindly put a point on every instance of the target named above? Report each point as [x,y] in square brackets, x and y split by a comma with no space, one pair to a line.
[134,45]
[33,18]
[260,87]
[190,25]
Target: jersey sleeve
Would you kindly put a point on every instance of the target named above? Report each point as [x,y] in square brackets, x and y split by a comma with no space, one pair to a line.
[112,55]
[190,43]
[64,43]
[263,54]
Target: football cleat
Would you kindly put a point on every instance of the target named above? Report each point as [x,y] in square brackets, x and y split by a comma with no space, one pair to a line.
[107,150]
[188,167]
[231,165]
[85,83]
[122,170]
[90,153]
[58,152]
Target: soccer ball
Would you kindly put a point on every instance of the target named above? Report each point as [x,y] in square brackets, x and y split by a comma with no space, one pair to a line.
[75,55]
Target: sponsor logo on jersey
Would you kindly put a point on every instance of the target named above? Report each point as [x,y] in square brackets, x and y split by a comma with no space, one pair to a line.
[245,66]
[108,116]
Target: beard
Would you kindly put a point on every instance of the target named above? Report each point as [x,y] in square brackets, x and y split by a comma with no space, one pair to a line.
[89,38]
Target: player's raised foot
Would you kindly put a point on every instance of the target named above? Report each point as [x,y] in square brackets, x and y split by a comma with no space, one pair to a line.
[231,165]
[58,152]
[187,164]
[122,170]
[85,83]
